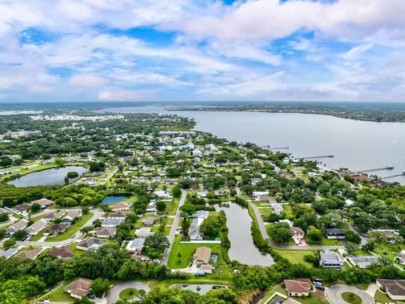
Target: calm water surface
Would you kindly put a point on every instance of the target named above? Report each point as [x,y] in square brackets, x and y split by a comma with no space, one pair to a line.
[108,200]
[357,145]
[47,177]
[242,248]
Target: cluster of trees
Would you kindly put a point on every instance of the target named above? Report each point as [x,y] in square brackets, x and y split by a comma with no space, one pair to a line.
[212,226]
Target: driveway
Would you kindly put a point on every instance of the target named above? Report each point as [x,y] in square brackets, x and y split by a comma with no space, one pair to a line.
[334,294]
[113,294]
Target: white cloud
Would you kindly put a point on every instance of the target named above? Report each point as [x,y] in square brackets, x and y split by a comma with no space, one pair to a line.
[120,95]
[87,81]
[356,51]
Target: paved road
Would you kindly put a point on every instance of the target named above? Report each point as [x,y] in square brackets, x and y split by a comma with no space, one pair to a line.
[172,234]
[334,294]
[113,294]
[262,227]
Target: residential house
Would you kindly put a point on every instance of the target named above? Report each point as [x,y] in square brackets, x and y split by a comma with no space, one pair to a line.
[148,222]
[259,194]
[79,288]
[298,287]
[151,207]
[56,229]
[90,244]
[136,245]
[30,254]
[71,215]
[202,214]
[44,203]
[105,232]
[118,215]
[22,209]
[112,222]
[143,232]
[194,234]
[202,255]
[162,194]
[331,260]
[395,289]
[297,234]
[363,261]
[338,234]
[38,226]
[277,208]
[17,226]
[61,253]
[121,206]
[53,215]
[197,153]
[401,257]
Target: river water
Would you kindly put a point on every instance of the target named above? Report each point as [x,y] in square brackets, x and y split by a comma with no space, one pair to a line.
[357,145]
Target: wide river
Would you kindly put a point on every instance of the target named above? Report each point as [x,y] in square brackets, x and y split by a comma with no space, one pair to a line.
[357,145]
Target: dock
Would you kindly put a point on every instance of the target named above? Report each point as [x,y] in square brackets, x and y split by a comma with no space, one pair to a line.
[393,176]
[275,148]
[376,169]
[319,156]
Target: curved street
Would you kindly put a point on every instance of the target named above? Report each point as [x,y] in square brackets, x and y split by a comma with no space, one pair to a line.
[334,294]
[113,294]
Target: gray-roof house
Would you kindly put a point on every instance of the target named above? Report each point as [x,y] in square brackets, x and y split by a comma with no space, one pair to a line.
[112,222]
[35,228]
[90,244]
[277,208]
[20,225]
[136,245]
[363,261]
[331,260]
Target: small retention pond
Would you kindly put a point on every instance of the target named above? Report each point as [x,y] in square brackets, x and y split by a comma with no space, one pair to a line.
[200,288]
[47,177]
[111,199]
[242,249]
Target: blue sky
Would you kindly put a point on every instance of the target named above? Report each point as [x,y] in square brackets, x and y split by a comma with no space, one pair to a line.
[185,50]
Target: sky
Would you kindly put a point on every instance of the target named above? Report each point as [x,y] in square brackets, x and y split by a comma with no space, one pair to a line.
[202,50]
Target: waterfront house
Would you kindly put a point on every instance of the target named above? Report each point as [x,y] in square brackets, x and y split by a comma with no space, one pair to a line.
[331,260]
[298,287]
[79,288]
[121,206]
[202,255]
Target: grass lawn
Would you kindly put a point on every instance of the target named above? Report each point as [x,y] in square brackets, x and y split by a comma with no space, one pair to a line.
[171,207]
[128,293]
[190,280]
[37,237]
[59,295]
[288,210]
[351,298]
[317,297]
[328,242]
[71,230]
[296,256]
[187,251]
[381,297]
[75,251]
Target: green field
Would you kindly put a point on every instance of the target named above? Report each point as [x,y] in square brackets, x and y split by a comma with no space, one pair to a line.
[59,295]
[187,251]
[71,230]
[296,256]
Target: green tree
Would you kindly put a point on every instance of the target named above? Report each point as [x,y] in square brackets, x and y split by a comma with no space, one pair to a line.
[176,191]
[35,207]
[7,244]
[314,236]
[280,233]
[100,287]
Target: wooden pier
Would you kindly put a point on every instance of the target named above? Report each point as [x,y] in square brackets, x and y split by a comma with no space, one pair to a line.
[320,156]
[376,169]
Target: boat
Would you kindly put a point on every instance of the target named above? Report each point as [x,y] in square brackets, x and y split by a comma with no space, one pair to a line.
[390,167]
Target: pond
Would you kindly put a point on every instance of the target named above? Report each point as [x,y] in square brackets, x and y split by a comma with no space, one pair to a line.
[48,177]
[112,199]
[200,288]
[242,248]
